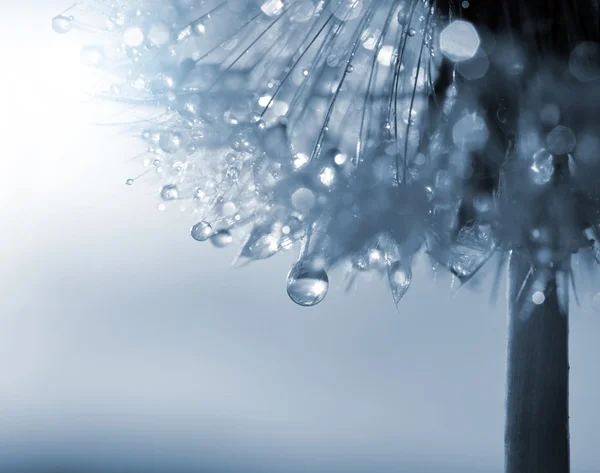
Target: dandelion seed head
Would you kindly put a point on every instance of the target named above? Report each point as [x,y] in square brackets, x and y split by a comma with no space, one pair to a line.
[338,128]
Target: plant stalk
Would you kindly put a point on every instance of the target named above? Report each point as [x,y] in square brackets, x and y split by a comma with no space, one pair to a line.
[537,403]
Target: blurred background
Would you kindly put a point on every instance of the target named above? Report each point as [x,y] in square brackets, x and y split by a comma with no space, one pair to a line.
[126,346]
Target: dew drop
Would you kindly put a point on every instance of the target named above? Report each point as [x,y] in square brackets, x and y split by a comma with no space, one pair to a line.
[303,199]
[170,141]
[233,174]
[538,297]
[62,24]
[459,41]
[400,277]
[129,182]
[542,168]
[412,32]
[169,192]
[327,176]
[221,238]
[307,283]
[202,231]
[561,140]
[133,37]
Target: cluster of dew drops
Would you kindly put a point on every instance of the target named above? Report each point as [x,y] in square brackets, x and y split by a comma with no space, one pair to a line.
[307,281]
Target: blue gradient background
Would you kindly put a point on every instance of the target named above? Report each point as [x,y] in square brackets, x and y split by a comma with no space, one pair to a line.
[125,346]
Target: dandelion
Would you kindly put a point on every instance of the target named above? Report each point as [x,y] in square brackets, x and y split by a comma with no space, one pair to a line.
[365,131]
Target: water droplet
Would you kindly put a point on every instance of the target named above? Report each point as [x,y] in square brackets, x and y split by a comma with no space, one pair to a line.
[300,160]
[584,61]
[133,37]
[233,174]
[561,140]
[129,182]
[412,32]
[221,238]
[170,141]
[400,277]
[307,283]
[201,231]
[169,192]
[538,297]
[303,199]
[459,41]
[542,168]
[62,24]
[327,176]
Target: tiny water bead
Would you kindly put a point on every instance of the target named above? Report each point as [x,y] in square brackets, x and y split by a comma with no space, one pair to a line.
[62,24]
[202,231]
[307,283]
[221,238]
[169,192]
[129,182]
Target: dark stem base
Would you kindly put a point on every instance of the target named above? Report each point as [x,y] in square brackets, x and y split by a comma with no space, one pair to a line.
[537,406]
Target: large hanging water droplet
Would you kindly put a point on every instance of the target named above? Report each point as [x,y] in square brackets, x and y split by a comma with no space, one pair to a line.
[307,283]
[400,276]
[62,24]
[201,231]
[221,238]
[169,192]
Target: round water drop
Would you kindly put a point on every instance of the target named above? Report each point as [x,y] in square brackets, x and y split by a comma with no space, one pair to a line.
[307,283]
[584,61]
[201,231]
[538,298]
[129,182]
[62,24]
[561,140]
[133,37]
[232,174]
[169,192]
[459,41]
[412,32]
[221,238]
[170,141]
[303,199]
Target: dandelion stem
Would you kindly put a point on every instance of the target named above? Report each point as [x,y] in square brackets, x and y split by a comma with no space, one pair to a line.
[537,406]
